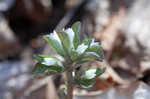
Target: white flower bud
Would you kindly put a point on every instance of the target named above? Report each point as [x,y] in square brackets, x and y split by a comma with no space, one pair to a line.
[55,37]
[91,73]
[94,43]
[81,48]
[51,61]
[71,35]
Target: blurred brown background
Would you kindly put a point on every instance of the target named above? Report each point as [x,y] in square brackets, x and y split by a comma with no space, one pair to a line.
[122,27]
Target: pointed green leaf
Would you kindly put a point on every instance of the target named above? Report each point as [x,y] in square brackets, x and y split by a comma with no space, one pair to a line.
[76,28]
[74,55]
[66,44]
[97,52]
[70,33]
[81,48]
[100,71]
[85,83]
[47,65]
[87,56]
[38,58]
[82,81]
[55,44]
[86,79]
[65,40]
[42,70]
[87,42]
[39,69]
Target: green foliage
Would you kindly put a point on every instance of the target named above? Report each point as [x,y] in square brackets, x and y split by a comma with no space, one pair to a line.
[76,29]
[47,65]
[85,79]
[67,44]
[54,43]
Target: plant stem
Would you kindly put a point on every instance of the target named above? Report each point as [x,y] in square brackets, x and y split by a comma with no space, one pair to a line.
[70,85]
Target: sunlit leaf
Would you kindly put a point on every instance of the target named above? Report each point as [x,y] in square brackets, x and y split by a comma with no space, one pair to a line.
[97,52]
[66,44]
[85,83]
[76,28]
[74,55]
[86,79]
[71,35]
[100,71]
[54,43]
[47,65]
